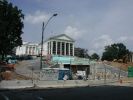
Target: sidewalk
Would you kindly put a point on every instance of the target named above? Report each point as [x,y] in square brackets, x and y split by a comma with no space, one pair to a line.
[20,84]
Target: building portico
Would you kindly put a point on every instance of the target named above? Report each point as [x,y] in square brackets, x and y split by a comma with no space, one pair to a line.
[59,45]
[56,47]
[27,49]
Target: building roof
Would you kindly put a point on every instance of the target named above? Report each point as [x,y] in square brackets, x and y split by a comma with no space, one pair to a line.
[61,37]
[29,43]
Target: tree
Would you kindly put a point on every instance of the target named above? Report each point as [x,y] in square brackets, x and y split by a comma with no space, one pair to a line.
[115,51]
[80,52]
[95,56]
[11,24]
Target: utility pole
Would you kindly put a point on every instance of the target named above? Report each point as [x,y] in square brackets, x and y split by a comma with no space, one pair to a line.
[42,46]
[43,29]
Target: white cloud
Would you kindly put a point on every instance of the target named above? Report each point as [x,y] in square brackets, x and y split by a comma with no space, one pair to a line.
[102,41]
[91,51]
[73,32]
[123,38]
[98,44]
[36,17]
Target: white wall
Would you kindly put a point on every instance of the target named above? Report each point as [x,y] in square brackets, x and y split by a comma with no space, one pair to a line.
[20,50]
[45,48]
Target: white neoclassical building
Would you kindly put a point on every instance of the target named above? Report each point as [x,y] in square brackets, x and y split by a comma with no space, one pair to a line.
[27,49]
[58,45]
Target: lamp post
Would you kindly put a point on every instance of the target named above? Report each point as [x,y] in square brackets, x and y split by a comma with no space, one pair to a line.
[43,29]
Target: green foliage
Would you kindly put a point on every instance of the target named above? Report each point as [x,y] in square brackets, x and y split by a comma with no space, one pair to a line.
[95,56]
[115,51]
[80,52]
[11,24]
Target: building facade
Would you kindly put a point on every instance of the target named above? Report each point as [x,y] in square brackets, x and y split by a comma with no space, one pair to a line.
[27,49]
[58,45]
[130,57]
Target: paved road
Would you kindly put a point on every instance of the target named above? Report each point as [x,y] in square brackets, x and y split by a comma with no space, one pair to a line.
[25,67]
[84,93]
[35,64]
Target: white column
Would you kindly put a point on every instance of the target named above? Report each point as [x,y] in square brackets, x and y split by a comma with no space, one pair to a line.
[27,50]
[73,49]
[64,48]
[35,50]
[31,50]
[56,47]
[69,48]
[60,48]
[51,47]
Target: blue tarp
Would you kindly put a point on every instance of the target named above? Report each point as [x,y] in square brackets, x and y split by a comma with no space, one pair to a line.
[62,73]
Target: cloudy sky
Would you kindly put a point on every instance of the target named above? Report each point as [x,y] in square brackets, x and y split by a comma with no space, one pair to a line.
[92,23]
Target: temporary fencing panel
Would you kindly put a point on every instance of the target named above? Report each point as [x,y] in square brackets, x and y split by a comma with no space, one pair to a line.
[130,71]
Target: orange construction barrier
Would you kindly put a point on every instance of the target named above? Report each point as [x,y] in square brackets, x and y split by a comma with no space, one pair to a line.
[11,66]
[7,75]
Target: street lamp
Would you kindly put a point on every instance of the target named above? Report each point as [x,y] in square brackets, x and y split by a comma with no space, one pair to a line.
[43,28]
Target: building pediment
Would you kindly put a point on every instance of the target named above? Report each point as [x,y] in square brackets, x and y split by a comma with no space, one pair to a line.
[62,37]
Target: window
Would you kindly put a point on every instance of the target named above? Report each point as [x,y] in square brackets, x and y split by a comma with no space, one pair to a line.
[71,49]
[58,47]
[54,47]
[67,48]
[63,48]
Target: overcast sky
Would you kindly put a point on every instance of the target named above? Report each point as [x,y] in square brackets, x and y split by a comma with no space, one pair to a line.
[92,23]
